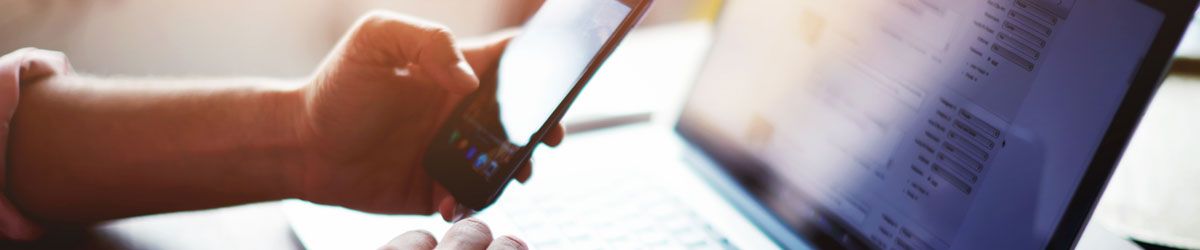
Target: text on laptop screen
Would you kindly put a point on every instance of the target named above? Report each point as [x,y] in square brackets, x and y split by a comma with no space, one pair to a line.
[922,123]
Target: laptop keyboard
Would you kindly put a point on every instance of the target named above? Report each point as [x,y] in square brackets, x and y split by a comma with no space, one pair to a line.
[615,215]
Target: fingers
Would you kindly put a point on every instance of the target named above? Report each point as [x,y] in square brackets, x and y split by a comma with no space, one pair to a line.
[445,63]
[43,63]
[439,194]
[525,171]
[452,211]
[507,242]
[416,239]
[412,45]
[555,136]
[446,207]
[467,234]
[36,64]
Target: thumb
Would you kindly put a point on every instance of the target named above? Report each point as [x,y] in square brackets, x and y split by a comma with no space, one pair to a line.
[439,58]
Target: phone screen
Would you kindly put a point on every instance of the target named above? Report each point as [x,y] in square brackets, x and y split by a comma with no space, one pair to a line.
[538,70]
[495,130]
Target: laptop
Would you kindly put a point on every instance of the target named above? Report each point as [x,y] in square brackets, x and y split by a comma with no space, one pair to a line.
[854,124]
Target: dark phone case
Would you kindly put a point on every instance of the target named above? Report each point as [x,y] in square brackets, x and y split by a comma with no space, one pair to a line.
[474,191]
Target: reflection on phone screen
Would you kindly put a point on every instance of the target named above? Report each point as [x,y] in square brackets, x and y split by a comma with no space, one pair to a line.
[538,70]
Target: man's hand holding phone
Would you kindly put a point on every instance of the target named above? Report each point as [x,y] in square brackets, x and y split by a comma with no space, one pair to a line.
[373,107]
[490,136]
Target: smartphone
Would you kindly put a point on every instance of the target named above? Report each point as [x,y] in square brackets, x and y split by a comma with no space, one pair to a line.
[495,130]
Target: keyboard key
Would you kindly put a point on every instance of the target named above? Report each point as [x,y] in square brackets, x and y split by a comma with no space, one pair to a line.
[624,215]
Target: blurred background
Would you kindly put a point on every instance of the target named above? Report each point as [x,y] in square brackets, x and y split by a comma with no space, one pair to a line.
[275,38]
[1153,196]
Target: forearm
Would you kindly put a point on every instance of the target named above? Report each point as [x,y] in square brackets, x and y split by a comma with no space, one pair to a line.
[85,149]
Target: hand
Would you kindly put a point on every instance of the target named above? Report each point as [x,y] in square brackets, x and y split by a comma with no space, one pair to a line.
[25,65]
[374,106]
[465,234]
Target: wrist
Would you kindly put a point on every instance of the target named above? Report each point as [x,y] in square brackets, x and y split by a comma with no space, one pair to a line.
[288,108]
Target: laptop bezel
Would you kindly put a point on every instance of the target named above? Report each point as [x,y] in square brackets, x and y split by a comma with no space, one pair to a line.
[714,160]
[1151,72]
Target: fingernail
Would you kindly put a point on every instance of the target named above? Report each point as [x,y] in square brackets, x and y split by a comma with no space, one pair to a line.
[459,212]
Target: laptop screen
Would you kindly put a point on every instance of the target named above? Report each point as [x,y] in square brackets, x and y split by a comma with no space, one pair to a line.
[919,124]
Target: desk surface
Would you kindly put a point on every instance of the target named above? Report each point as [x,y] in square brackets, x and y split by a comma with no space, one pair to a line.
[1153,194]
[252,226]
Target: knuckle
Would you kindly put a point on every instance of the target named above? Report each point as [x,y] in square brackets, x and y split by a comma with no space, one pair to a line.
[383,21]
[420,233]
[509,242]
[421,236]
[473,226]
[440,33]
[378,20]
[415,239]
